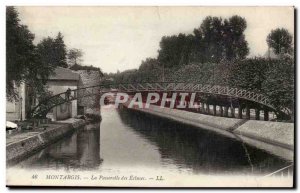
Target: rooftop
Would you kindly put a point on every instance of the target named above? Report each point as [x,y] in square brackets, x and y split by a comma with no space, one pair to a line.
[64,74]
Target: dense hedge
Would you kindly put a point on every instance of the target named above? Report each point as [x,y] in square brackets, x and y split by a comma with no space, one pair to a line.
[272,77]
[80,67]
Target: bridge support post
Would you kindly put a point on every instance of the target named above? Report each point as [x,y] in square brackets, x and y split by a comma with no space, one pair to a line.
[266,115]
[198,107]
[221,111]
[232,111]
[207,108]
[257,111]
[214,110]
[240,112]
[247,112]
[226,111]
[202,108]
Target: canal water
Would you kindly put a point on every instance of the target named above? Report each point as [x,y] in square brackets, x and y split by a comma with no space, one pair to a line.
[132,140]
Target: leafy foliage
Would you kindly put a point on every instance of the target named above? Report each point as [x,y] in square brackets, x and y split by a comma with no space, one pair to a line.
[81,67]
[235,45]
[249,74]
[129,76]
[61,51]
[280,40]
[52,52]
[215,40]
[274,78]
[279,84]
[212,34]
[175,50]
[74,56]
[22,58]
[216,54]
[150,71]
[27,63]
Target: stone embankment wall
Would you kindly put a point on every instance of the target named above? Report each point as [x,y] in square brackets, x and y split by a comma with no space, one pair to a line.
[89,104]
[274,137]
[22,148]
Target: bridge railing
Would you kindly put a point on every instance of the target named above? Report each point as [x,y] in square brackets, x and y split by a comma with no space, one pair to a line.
[287,171]
[154,86]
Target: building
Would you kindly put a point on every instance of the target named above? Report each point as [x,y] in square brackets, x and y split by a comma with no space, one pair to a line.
[60,82]
[89,104]
[15,110]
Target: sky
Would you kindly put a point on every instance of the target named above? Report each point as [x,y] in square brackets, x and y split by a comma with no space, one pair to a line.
[119,38]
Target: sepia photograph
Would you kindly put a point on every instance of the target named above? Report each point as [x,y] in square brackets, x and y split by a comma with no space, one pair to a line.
[150,96]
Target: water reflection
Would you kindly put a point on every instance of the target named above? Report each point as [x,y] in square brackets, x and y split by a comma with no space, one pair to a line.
[135,141]
[88,147]
[81,150]
[201,150]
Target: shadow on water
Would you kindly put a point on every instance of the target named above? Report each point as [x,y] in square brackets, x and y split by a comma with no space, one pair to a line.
[185,147]
[81,150]
[201,150]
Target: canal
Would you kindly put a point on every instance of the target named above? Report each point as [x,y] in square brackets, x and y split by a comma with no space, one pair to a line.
[127,140]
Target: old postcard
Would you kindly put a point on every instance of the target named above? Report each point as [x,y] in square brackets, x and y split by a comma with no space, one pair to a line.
[150,96]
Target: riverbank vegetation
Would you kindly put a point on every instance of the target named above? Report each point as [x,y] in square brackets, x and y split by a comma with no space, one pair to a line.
[216,53]
[30,63]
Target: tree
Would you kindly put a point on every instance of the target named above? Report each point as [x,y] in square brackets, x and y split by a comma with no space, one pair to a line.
[46,52]
[198,50]
[170,50]
[218,39]
[235,45]
[280,40]
[215,40]
[176,50]
[150,71]
[186,52]
[212,30]
[61,51]
[22,60]
[53,51]
[74,56]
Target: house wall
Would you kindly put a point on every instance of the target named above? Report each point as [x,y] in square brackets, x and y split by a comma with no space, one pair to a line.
[14,110]
[62,111]
[66,110]
[89,78]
